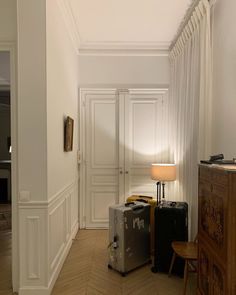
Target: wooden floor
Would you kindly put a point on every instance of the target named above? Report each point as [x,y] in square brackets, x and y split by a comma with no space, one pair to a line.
[5,262]
[85,272]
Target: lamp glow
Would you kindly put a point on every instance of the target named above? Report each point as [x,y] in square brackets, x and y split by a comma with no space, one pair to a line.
[162,173]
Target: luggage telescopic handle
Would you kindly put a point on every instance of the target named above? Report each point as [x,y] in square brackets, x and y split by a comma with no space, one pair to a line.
[137,207]
[145,197]
[143,201]
[129,204]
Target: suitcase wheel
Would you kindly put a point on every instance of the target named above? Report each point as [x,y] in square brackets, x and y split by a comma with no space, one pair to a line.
[154,269]
[109,266]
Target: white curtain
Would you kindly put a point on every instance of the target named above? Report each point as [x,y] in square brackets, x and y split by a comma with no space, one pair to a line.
[190,106]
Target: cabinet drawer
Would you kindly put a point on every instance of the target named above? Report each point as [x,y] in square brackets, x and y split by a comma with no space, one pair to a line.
[205,173]
[219,177]
[214,176]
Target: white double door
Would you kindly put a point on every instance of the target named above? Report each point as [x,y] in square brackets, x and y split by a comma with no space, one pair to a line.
[124,131]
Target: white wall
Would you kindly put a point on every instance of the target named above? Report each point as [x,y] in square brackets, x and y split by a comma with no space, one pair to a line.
[62,100]
[32,116]
[62,168]
[7,20]
[47,92]
[32,144]
[124,71]
[224,79]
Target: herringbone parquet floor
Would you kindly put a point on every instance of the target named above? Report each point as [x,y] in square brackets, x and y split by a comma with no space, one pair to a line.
[85,272]
[5,262]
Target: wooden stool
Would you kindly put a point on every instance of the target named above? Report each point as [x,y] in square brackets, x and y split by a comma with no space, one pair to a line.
[189,252]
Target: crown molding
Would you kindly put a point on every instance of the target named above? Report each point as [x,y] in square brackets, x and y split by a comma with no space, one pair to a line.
[109,48]
[124,48]
[70,23]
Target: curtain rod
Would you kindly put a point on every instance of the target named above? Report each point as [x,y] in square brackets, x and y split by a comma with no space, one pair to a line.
[186,19]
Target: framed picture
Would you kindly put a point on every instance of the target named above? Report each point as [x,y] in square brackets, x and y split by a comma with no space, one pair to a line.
[68,134]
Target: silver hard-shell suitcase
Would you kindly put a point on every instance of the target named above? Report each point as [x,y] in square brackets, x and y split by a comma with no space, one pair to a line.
[129,236]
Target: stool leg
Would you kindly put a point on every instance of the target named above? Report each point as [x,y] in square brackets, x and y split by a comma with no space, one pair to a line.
[172,263]
[185,276]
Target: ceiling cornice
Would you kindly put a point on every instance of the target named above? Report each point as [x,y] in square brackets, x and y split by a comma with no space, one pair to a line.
[106,47]
[124,48]
[70,23]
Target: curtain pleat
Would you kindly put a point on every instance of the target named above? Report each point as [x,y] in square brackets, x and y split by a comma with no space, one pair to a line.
[189,106]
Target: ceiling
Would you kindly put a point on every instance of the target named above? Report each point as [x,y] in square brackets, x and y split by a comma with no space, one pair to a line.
[124,24]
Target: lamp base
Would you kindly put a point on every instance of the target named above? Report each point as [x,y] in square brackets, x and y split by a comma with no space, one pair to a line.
[160,192]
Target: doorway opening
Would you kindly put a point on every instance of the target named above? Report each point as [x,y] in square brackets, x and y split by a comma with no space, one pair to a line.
[8,171]
[5,169]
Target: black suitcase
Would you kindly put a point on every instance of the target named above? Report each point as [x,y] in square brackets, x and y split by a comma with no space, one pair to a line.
[171,224]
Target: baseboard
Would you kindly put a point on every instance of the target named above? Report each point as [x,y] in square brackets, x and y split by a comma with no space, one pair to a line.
[47,290]
[34,291]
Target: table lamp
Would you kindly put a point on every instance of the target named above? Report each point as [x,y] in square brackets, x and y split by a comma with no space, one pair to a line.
[162,173]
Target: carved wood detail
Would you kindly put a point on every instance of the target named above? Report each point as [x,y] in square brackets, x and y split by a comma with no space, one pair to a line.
[212,218]
[217,281]
[216,230]
[204,270]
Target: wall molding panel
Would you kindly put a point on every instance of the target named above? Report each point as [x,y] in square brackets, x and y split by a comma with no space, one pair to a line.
[46,233]
[33,247]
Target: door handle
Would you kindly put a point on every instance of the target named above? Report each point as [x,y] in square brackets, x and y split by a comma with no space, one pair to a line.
[126,172]
[121,172]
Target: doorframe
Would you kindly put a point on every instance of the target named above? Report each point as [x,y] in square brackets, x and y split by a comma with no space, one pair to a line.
[11,48]
[82,136]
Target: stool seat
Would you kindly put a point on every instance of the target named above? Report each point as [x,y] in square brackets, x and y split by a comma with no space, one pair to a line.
[186,250]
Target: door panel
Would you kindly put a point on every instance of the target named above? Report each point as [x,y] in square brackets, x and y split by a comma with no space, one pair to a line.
[103,133]
[102,147]
[143,132]
[145,143]
[124,133]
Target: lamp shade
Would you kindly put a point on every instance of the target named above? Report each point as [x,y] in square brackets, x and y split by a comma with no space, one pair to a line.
[163,172]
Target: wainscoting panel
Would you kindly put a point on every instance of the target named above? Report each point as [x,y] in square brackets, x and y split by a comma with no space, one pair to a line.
[46,233]
[57,232]
[33,247]
[63,217]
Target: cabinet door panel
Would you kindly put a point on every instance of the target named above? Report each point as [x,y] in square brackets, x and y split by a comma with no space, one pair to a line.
[212,216]
[204,271]
[218,280]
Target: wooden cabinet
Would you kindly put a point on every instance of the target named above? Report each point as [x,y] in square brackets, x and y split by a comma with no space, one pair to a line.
[217,230]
